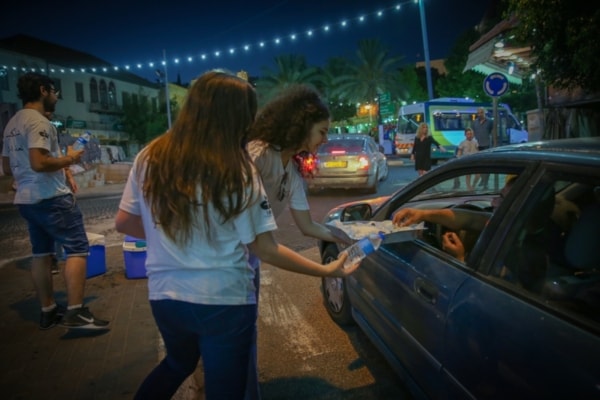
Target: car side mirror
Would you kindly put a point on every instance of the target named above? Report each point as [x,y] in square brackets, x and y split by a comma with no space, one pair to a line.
[358,212]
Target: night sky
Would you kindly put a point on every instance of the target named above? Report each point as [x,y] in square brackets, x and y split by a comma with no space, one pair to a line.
[129,32]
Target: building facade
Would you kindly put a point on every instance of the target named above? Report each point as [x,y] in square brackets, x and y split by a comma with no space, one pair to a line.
[92,92]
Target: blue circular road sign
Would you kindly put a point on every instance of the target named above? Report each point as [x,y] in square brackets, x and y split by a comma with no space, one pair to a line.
[495,84]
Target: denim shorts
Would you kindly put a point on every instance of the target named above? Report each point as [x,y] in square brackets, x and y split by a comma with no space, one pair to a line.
[57,219]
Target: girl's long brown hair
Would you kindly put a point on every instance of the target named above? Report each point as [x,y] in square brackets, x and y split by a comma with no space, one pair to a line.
[204,149]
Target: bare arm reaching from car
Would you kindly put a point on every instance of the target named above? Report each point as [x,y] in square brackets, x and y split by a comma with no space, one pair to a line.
[454,219]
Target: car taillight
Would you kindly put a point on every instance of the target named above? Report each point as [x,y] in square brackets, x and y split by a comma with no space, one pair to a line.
[310,163]
[363,162]
[306,163]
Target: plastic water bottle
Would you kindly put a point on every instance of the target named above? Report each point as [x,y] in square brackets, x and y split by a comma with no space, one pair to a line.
[362,248]
[82,141]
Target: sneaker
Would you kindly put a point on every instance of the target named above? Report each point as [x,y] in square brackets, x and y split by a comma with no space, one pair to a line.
[49,319]
[82,318]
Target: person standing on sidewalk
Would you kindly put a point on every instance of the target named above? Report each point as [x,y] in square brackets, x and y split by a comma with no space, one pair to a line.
[421,152]
[295,122]
[468,146]
[196,197]
[482,128]
[31,154]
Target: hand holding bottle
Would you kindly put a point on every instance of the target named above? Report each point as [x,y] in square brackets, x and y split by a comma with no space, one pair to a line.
[75,155]
[82,141]
[341,267]
[361,249]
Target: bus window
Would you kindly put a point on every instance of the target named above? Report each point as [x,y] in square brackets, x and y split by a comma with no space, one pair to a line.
[409,123]
[448,122]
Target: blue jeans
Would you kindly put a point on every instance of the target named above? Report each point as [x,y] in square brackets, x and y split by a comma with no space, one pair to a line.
[57,219]
[222,335]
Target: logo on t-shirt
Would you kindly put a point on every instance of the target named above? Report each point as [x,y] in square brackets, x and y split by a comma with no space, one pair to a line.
[44,134]
[265,205]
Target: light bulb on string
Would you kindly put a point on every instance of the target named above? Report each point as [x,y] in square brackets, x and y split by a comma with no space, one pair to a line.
[342,25]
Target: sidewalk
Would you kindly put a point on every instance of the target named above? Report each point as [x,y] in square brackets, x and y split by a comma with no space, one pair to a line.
[63,364]
[110,189]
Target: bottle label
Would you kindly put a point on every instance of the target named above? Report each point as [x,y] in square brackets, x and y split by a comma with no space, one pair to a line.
[355,254]
[360,250]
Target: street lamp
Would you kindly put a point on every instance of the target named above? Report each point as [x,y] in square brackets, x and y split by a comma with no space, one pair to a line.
[426,49]
[160,75]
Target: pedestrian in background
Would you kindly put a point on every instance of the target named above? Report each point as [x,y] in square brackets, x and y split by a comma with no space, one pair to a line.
[421,152]
[32,155]
[196,197]
[297,121]
[468,146]
[482,128]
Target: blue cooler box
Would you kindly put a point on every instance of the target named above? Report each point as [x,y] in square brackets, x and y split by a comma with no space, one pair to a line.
[96,260]
[134,253]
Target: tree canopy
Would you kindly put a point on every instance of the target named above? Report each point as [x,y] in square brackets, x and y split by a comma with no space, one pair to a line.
[564,37]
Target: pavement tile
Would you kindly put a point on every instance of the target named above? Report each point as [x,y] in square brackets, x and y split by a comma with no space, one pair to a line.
[63,364]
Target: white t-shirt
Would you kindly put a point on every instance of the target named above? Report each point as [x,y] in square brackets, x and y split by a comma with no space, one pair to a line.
[268,162]
[29,129]
[204,272]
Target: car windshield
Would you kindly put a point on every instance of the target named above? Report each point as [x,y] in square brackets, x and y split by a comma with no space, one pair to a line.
[342,147]
[457,187]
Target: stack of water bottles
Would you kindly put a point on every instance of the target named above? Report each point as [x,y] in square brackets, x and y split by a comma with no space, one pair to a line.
[362,248]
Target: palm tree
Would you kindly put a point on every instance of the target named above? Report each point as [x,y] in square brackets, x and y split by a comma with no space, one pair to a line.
[341,109]
[374,73]
[291,69]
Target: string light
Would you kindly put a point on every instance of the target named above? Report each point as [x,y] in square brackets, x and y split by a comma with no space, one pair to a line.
[204,56]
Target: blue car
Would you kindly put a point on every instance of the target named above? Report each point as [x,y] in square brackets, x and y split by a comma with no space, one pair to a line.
[517,314]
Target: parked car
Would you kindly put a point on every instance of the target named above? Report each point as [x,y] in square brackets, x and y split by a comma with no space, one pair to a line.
[349,162]
[519,318]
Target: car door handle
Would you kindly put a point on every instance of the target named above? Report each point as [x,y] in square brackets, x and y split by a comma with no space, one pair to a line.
[426,290]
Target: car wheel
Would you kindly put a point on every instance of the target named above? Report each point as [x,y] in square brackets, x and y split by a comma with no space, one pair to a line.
[334,292]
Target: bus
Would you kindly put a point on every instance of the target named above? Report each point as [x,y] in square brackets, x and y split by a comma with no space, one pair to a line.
[447,119]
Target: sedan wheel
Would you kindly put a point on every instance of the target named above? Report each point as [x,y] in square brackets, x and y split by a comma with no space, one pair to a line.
[334,292]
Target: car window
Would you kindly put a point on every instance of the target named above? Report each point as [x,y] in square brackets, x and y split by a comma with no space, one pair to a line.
[467,185]
[551,255]
[462,194]
[372,146]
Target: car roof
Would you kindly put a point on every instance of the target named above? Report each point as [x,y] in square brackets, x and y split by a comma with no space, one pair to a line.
[584,152]
[588,145]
